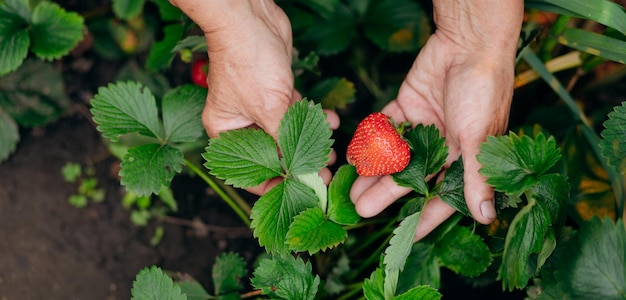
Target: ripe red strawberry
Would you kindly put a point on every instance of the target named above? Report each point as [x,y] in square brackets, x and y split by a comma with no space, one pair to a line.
[199,71]
[377,148]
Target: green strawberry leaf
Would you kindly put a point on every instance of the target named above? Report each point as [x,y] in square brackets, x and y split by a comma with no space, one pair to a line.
[463,252]
[428,155]
[29,102]
[182,109]
[167,11]
[273,213]
[71,171]
[528,234]
[513,163]
[161,54]
[374,286]
[125,107]
[421,267]
[451,189]
[398,250]
[18,8]
[412,206]
[401,242]
[307,63]
[192,288]
[194,43]
[54,31]
[333,93]
[316,183]
[286,277]
[127,9]
[243,157]
[167,197]
[422,292]
[340,208]
[14,35]
[553,191]
[9,135]
[157,83]
[333,35]
[391,283]
[304,138]
[152,283]
[312,232]
[145,168]
[594,265]
[324,8]
[396,26]
[613,144]
[227,272]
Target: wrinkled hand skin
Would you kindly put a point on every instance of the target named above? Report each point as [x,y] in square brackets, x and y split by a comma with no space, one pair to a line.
[250,80]
[461,81]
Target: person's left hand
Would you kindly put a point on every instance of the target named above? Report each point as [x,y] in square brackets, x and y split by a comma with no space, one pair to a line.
[466,93]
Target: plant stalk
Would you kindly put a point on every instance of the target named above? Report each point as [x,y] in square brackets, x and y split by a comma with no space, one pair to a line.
[239,206]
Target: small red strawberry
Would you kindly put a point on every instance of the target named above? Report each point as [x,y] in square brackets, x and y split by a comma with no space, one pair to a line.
[199,71]
[377,148]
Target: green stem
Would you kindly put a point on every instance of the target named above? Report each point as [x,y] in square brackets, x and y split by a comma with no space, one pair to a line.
[239,206]
[364,223]
[371,238]
[358,63]
[374,256]
[352,290]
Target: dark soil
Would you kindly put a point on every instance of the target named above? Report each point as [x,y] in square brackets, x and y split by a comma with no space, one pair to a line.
[52,250]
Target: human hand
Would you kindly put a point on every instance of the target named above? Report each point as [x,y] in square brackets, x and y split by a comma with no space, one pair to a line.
[462,82]
[250,80]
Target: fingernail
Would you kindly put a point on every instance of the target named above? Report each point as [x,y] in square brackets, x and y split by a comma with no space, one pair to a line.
[487,210]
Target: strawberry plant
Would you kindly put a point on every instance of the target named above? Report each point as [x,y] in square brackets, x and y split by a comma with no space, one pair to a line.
[88,184]
[552,181]
[48,32]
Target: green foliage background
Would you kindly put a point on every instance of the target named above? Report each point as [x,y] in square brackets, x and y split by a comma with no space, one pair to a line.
[351,56]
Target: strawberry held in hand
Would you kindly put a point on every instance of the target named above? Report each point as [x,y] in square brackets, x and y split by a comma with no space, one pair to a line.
[377,148]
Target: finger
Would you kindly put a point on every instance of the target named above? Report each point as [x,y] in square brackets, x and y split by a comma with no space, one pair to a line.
[264,187]
[269,115]
[217,119]
[371,195]
[478,194]
[326,175]
[434,213]
[332,158]
[332,118]
[295,96]
[414,112]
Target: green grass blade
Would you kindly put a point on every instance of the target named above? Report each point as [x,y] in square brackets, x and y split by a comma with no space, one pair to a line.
[604,12]
[595,44]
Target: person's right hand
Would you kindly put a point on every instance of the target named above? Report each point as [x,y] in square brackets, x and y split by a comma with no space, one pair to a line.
[250,80]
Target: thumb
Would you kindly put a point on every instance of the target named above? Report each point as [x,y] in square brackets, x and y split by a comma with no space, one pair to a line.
[269,117]
[478,194]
